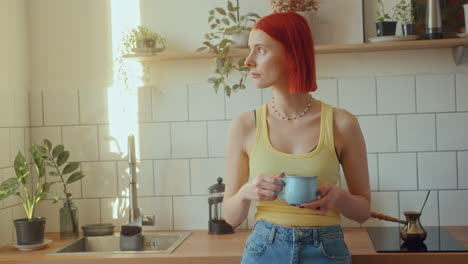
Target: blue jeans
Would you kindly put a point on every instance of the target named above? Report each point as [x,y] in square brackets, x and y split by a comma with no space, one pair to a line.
[270,243]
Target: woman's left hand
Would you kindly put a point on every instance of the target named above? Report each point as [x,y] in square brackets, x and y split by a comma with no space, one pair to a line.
[327,196]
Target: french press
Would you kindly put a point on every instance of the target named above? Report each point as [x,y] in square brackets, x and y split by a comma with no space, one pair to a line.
[216,224]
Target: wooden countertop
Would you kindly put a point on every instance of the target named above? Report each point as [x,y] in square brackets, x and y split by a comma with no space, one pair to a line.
[200,247]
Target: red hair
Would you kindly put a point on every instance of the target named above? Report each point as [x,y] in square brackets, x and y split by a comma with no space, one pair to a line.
[293,32]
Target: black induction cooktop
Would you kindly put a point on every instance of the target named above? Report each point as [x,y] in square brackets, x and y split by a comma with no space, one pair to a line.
[387,239]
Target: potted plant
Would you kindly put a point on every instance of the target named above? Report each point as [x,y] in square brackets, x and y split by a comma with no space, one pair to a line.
[305,8]
[384,27]
[29,230]
[403,13]
[294,5]
[139,41]
[56,158]
[225,23]
[240,30]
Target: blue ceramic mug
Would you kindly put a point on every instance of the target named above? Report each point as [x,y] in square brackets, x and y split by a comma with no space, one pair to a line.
[299,189]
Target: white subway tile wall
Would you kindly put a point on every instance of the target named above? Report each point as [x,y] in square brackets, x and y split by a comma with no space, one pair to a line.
[461,92]
[243,100]
[189,139]
[328,91]
[204,103]
[161,208]
[217,138]
[60,107]
[358,95]
[100,180]
[172,177]
[372,163]
[14,137]
[451,131]
[89,211]
[396,95]
[435,93]
[54,134]
[169,103]
[437,170]
[36,110]
[415,130]
[453,208]
[84,149]
[397,171]
[462,162]
[93,106]
[16,143]
[5,149]
[191,212]
[379,133]
[155,141]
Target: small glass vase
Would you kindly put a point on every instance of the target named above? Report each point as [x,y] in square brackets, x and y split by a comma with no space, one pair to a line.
[68,220]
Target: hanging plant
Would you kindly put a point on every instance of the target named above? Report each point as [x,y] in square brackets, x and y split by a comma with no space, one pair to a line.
[223,24]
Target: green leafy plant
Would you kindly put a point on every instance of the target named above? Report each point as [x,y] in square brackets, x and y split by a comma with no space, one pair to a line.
[138,41]
[31,196]
[381,15]
[55,158]
[43,156]
[403,12]
[225,23]
[140,38]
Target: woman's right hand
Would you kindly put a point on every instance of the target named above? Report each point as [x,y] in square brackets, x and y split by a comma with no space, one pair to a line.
[263,188]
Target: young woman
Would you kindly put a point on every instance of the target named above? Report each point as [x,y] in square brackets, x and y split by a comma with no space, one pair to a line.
[298,135]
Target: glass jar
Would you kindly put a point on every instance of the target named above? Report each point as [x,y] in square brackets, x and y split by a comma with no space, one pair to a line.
[68,220]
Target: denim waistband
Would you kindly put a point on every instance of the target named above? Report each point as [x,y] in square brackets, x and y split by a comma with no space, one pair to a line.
[297,234]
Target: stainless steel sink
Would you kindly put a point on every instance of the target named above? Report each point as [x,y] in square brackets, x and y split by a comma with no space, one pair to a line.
[160,242]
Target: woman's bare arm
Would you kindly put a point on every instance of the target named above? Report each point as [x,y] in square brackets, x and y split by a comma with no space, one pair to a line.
[239,192]
[353,203]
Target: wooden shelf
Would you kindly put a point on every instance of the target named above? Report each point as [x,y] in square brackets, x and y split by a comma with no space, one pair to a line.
[322,49]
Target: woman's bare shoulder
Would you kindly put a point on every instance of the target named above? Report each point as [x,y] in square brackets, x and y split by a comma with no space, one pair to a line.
[241,128]
[243,122]
[344,120]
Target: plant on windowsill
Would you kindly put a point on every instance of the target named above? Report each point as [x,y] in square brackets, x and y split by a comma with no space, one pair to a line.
[29,230]
[56,158]
[226,24]
[140,41]
[403,13]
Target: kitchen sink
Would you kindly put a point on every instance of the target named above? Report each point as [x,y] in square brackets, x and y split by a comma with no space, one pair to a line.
[159,242]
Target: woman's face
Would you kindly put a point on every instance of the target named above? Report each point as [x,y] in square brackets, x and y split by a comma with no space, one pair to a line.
[266,60]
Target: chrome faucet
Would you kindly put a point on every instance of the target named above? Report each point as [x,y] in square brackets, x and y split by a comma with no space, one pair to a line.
[135,215]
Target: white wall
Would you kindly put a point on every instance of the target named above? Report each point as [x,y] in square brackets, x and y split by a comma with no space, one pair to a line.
[182,123]
[14,106]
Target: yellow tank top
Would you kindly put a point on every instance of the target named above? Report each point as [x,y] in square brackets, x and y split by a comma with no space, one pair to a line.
[321,162]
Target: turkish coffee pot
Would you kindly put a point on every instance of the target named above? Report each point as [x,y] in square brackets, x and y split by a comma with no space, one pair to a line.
[412,231]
